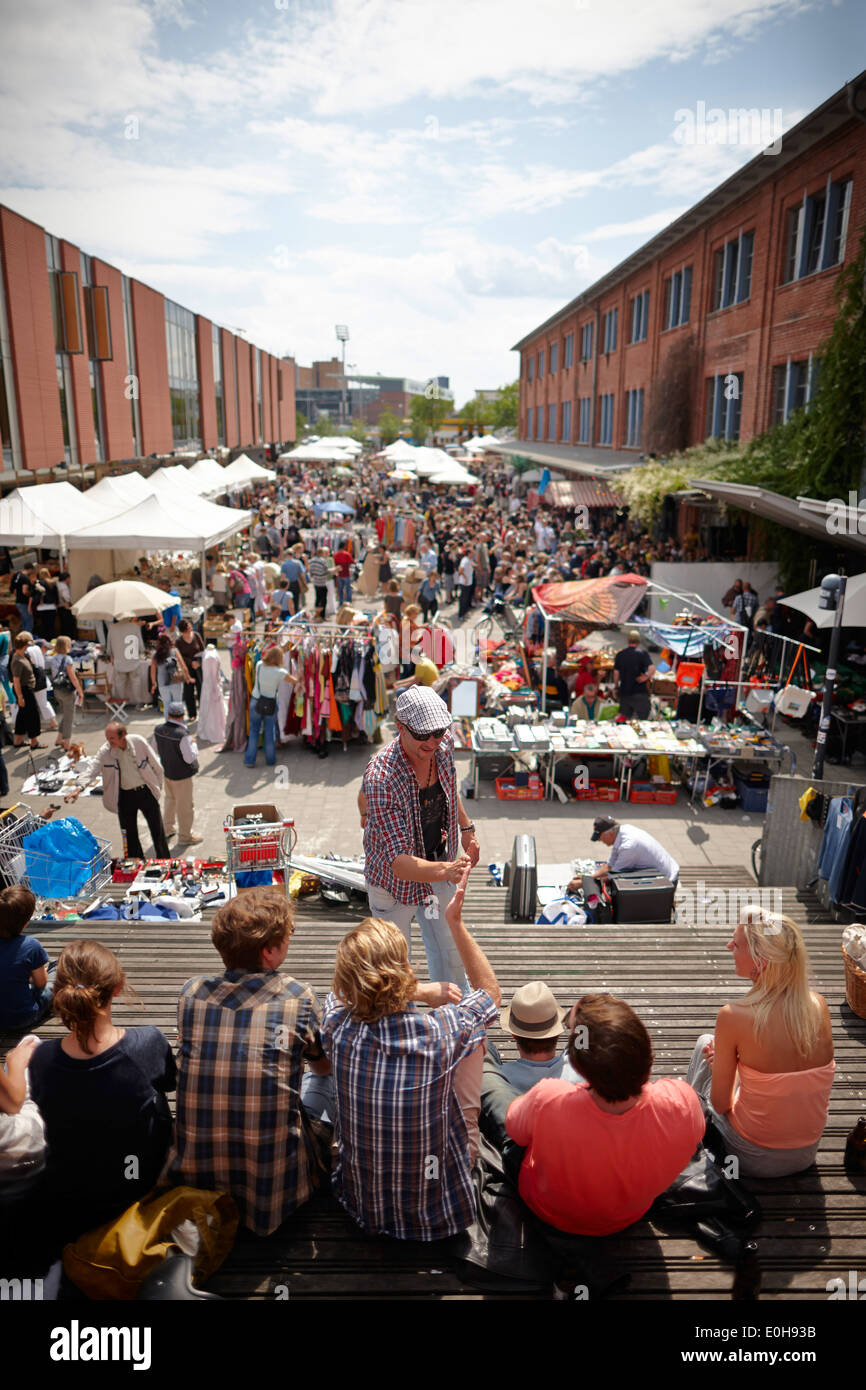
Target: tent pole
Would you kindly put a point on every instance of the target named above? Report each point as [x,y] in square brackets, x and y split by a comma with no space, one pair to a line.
[544,665]
[742,667]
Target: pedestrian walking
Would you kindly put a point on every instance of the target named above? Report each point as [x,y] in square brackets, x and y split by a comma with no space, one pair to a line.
[179,757]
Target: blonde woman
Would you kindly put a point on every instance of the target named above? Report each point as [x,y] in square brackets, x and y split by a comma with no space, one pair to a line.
[767,1071]
[68,691]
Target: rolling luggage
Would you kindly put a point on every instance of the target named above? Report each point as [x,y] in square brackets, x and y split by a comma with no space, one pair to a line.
[641,896]
[523,880]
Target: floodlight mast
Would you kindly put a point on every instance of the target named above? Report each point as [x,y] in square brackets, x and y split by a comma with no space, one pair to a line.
[342,332]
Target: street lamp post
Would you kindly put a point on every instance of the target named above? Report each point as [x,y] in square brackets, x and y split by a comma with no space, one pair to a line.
[342,332]
[832,596]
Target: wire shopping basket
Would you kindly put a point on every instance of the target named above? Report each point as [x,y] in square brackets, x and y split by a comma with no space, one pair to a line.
[46,874]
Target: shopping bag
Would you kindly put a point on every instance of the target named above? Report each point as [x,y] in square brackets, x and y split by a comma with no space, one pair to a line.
[59,858]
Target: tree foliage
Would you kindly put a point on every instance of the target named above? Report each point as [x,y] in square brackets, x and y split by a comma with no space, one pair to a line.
[427,414]
[506,408]
[389,427]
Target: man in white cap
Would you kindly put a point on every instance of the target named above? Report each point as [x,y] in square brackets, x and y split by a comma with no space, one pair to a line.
[418,838]
[179,757]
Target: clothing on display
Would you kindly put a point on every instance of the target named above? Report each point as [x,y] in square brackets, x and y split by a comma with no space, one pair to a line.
[842,853]
[212,710]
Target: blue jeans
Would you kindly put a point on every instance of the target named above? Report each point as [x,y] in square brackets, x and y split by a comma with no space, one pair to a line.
[443,958]
[24,615]
[317,1096]
[270,723]
[344,590]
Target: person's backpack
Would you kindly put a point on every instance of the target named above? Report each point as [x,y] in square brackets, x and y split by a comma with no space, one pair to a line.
[169,669]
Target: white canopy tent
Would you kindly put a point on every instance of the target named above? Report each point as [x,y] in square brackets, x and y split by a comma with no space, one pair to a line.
[454,477]
[429,461]
[159,523]
[401,451]
[173,483]
[121,492]
[853,609]
[342,441]
[46,514]
[212,477]
[246,470]
[320,453]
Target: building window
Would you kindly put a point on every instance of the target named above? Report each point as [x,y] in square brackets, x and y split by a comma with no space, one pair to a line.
[530,366]
[551,421]
[732,271]
[554,358]
[539,423]
[566,422]
[610,324]
[634,418]
[724,403]
[10,452]
[816,231]
[258,393]
[569,350]
[132,378]
[183,383]
[678,298]
[98,344]
[795,385]
[216,344]
[540,372]
[605,424]
[586,342]
[639,317]
[529,422]
[585,421]
[67,338]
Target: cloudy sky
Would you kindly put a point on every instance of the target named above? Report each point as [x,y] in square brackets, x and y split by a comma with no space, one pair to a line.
[439,176]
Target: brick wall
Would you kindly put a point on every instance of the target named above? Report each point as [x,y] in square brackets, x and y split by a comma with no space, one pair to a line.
[151,355]
[117,407]
[204,352]
[31,332]
[245,395]
[774,322]
[228,346]
[287,430]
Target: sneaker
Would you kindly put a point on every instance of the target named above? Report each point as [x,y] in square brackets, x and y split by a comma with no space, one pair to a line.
[191,840]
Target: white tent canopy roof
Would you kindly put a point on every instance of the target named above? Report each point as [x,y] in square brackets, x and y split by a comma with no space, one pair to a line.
[342,441]
[120,492]
[158,523]
[455,476]
[46,514]
[429,461]
[321,452]
[174,482]
[212,477]
[400,451]
[853,610]
[246,470]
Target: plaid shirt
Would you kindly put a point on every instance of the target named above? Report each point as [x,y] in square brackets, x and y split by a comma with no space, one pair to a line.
[240,1127]
[394,817]
[403,1165]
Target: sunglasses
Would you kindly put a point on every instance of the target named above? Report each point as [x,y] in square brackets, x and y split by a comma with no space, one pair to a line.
[437,734]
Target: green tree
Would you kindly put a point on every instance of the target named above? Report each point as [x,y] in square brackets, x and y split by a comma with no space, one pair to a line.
[324,424]
[505,409]
[389,427]
[301,425]
[476,414]
[428,412]
[359,430]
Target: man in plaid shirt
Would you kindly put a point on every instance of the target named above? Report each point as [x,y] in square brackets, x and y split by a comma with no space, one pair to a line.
[418,838]
[407,1085]
[243,1039]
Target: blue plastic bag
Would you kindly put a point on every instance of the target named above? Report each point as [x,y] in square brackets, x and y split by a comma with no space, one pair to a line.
[60,858]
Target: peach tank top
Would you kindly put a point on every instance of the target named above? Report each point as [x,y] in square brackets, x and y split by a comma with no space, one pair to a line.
[782,1110]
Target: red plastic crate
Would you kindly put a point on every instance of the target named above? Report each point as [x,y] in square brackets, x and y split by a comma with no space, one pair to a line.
[507,790]
[605,789]
[653,793]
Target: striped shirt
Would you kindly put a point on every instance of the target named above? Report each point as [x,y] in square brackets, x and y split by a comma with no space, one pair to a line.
[318,571]
[403,1167]
[393,823]
[240,1127]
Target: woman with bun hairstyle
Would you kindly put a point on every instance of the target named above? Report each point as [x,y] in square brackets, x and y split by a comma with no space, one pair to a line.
[102,1094]
[766,1073]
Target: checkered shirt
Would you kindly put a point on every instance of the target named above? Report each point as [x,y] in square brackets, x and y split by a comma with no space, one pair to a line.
[240,1127]
[394,817]
[403,1166]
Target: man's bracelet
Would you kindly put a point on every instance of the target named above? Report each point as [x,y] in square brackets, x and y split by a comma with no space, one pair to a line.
[470,826]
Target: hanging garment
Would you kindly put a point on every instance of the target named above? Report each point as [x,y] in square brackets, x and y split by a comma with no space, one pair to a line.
[852,888]
[211,726]
[833,850]
[236,723]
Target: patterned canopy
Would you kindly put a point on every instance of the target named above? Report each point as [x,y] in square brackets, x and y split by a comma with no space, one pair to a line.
[605,602]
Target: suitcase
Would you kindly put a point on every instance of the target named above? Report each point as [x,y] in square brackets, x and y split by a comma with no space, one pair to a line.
[642,897]
[523,880]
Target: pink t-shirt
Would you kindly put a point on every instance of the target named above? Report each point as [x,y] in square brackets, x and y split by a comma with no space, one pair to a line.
[592,1173]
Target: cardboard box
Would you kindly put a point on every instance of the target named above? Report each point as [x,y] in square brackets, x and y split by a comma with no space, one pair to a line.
[264,809]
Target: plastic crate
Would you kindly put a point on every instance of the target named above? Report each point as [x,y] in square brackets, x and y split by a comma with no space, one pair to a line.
[688,675]
[605,789]
[751,798]
[507,790]
[652,793]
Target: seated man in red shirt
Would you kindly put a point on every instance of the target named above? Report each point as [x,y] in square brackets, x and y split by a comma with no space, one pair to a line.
[595,1156]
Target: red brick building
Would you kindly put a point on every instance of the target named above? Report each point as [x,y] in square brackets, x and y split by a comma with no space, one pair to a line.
[95,366]
[720,316]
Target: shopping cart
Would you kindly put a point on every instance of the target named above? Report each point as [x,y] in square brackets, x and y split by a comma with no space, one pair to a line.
[82,878]
[261,845]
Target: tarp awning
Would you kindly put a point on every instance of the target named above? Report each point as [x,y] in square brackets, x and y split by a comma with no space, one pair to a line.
[804,514]
[685,640]
[581,492]
[45,514]
[606,602]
